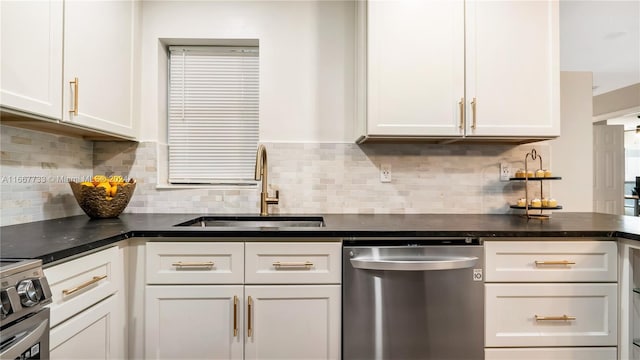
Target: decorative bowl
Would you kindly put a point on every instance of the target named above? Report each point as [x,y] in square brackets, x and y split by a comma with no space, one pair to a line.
[95,202]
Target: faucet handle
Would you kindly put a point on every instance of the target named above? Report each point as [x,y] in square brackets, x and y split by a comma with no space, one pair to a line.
[273,200]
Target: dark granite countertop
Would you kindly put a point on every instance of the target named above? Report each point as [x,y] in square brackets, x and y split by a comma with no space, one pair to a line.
[53,240]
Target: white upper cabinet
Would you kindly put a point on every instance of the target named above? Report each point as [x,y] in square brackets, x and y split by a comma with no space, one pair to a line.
[415,67]
[513,71]
[98,52]
[31,42]
[46,45]
[456,69]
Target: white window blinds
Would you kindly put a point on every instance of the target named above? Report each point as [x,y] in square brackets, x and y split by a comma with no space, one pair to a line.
[213,114]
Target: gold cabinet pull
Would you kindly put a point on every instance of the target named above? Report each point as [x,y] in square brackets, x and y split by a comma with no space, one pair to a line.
[278,264]
[555,318]
[76,85]
[249,307]
[461,106]
[208,264]
[473,113]
[94,280]
[555,262]
[235,316]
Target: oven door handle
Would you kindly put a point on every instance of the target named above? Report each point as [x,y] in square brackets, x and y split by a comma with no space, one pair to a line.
[445,263]
[26,342]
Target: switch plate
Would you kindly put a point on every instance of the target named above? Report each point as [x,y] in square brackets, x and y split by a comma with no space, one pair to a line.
[385,173]
[505,171]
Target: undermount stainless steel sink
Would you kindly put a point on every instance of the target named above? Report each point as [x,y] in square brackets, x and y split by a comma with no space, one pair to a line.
[255,221]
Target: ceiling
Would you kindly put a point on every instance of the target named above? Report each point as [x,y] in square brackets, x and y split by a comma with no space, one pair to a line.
[602,37]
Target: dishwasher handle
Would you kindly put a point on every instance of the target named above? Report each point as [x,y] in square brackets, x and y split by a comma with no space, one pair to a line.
[445,263]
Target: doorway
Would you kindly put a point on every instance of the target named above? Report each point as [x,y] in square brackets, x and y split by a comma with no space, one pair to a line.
[617,165]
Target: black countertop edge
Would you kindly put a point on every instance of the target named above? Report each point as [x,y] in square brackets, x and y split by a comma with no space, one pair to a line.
[58,239]
[346,235]
[626,235]
[72,251]
[287,233]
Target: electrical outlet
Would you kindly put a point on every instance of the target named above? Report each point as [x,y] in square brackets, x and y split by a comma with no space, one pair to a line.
[385,173]
[505,171]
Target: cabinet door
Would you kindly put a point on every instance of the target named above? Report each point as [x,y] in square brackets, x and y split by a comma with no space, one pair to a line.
[96,333]
[31,41]
[415,66]
[98,50]
[193,322]
[293,322]
[629,308]
[512,61]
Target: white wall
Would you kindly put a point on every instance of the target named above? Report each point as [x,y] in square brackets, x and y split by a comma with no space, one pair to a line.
[572,152]
[619,102]
[306,62]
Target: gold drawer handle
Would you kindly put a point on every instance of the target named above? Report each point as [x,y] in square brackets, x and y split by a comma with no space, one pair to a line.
[208,264]
[461,106]
[76,85]
[559,262]
[235,316]
[306,264]
[94,280]
[249,317]
[474,123]
[555,318]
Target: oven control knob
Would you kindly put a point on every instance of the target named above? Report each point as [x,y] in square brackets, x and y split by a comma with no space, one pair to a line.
[5,304]
[29,294]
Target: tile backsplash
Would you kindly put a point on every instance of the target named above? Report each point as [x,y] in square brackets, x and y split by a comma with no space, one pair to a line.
[339,178]
[311,177]
[35,169]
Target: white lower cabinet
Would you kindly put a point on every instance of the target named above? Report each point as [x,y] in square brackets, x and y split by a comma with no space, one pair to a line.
[293,322]
[551,299]
[583,353]
[92,334]
[533,315]
[629,299]
[89,306]
[194,322]
[237,300]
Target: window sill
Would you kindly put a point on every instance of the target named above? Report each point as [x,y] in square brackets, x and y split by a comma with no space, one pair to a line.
[251,187]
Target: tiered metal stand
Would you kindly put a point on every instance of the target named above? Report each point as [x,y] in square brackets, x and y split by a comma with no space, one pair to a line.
[530,211]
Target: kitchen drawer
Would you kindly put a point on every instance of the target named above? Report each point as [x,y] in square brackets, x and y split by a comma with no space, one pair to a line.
[544,261]
[80,283]
[583,353]
[293,263]
[195,262]
[514,307]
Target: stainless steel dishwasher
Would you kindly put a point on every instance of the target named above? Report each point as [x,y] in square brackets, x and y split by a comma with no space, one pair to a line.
[413,299]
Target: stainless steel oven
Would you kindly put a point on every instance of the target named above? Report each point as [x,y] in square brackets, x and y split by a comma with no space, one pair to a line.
[24,319]
[413,299]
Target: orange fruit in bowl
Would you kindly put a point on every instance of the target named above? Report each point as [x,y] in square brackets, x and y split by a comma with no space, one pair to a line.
[87,183]
[106,186]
